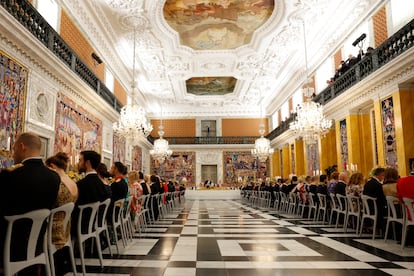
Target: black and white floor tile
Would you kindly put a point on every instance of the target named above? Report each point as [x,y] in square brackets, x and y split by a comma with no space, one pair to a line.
[226,238]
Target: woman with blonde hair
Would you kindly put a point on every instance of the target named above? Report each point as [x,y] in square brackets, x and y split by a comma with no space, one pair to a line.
[135,190]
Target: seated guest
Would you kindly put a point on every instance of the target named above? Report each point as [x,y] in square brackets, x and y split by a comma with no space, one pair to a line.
[91,188]
[119,186]
[322,187]
[405,185]
[356,183]
[104,175]
[68,192]
[340,187]
[373,188]
[28,185]
[390,182]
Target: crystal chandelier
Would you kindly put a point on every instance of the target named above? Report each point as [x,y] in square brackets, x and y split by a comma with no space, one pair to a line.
[161,150]
[133,123]
[310,122]
[262,149]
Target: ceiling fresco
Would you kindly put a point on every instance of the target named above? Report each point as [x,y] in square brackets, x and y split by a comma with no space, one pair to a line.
[216,25]
[210,86]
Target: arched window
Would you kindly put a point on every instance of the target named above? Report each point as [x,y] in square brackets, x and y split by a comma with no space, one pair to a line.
[109,80]
[402,12]
[324,73]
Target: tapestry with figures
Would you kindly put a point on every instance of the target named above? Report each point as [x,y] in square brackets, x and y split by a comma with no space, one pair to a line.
[344,144]
[242,167]
[13,86]
[390,142]
[76,129]
[136,158]
[312,159]
[119,149]
[180,166]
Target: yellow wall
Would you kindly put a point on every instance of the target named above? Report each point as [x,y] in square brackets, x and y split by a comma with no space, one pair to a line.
[328,152]
[360,142]
[285,160]
[243,127]
[403,115]
[300,161]
[276,164]
[175,127]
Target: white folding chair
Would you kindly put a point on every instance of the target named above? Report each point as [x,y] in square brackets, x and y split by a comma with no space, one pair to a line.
[354,210]
[395,215]
[88,214]
[101,222]
[65,210]
[36,232]
[126,218]
[117,222]
[369,211]
[322,206]
[409,218]
[343,209]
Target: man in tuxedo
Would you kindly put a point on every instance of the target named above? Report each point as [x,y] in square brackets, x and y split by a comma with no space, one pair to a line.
[29,185]
[373,188]
[90,188]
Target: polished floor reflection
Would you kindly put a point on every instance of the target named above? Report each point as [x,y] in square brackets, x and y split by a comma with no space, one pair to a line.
[226,238]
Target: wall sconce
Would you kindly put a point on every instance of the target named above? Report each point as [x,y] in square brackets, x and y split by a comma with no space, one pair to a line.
[96,58]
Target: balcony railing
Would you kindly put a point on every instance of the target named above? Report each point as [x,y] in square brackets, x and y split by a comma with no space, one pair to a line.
[33,21]
[396,45]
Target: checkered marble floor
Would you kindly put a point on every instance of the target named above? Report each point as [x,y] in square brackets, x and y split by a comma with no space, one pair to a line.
[206,237]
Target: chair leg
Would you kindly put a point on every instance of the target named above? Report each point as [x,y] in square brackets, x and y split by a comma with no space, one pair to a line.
[51,263]
[99,249]
[82,257]
[72,259]
[386,230]
[108,241]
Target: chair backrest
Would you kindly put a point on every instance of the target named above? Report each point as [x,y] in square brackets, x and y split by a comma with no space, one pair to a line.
[354,204]
[66,210]
[342,202]
[126,211]
[408,203]
[102,211]
[395,208]
[87,213]
[322,200]
[334,201]
[36,232]
[311,199]
[369,206]
[117,211]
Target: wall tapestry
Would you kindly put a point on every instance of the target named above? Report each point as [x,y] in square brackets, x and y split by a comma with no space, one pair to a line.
[136,158]
[13,86]
[312,156]
[292,156]
[344,144]
[390,142]
[243,167]
[76,129]
[119,149]
[180,165]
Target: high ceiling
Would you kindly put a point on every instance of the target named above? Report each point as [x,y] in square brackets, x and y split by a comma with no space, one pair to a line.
[216,57]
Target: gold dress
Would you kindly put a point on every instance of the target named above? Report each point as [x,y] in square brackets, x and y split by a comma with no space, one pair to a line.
[59,236]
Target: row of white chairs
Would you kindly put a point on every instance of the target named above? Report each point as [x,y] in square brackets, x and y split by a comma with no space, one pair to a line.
[93,216]
[354,210]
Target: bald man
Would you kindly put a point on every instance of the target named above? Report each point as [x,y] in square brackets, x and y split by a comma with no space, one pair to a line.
[28,185]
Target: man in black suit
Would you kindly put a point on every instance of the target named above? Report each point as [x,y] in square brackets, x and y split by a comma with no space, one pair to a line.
[373,188]
[29,185]
[90,188]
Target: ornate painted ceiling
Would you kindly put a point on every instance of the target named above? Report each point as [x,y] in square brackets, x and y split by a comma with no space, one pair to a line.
[216,57]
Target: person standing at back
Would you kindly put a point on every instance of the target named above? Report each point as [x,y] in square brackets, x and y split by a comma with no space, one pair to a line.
[29,185]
